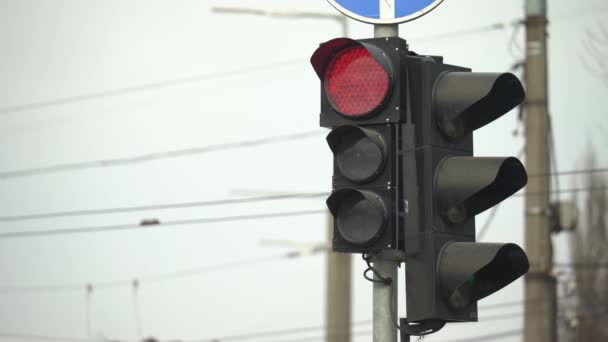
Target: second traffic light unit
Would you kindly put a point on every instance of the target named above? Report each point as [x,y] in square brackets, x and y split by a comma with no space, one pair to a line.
[447,272]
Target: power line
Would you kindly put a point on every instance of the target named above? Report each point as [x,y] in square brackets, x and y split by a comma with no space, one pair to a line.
[155,156]
[581,265]
[90,287]
[146,87]
[490,337]
[474,30]
[87,212]
[561,191]
[298,330]
[156,224]
[43,337]
[182,205]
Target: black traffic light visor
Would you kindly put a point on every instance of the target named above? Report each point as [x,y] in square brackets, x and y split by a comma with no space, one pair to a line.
[471,271]
[360,153]
[323,55]
[466,186]
[466,101]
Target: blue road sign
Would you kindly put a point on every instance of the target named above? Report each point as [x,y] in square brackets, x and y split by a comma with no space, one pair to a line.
[385,11]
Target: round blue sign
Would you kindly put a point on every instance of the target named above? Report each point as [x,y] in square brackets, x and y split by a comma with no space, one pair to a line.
[385,11]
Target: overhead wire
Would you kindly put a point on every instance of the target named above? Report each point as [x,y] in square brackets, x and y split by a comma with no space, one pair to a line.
[197,204]
[90,287]
[181,205]
[157,224]
[103,163]
[147,86]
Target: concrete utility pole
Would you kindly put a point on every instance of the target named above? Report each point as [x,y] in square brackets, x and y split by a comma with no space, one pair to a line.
[339,265]
[338,303]
[540,284]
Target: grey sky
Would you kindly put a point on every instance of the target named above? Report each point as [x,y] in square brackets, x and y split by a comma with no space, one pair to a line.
[55,49]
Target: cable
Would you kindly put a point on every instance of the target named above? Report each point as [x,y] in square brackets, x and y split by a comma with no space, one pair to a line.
[474,30]
[42,337]
[145,279]
[86,212]
[157,224]
[489,337]
[182,205]
[570,172]
[146,87]
[581,265]
[97,229]
[155,156]
[561,191]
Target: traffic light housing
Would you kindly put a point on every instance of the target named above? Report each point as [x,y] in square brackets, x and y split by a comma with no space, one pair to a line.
[447,272]
[362,91]
[404,175]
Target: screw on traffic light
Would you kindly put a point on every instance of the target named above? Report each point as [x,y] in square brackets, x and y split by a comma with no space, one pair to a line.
[447,272]
[362,92]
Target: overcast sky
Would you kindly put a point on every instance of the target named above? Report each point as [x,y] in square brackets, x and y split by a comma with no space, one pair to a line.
[59,49]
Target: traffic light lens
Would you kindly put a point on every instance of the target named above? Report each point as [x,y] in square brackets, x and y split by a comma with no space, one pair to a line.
[360,160]
[360,153]
[360,216]
[471,271]
[355,83]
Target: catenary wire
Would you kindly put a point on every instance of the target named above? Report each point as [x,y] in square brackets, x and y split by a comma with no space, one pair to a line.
[19,336]
[181,205]
[122,227]
[102,163]
[251,69]
[89,287]
[87,212]
[146,87]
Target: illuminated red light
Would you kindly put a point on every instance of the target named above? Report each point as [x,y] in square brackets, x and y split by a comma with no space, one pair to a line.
[355,83]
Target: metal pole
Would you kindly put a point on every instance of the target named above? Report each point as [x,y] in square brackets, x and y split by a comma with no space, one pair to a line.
[386,264]
[385,298]
[381,31]
[540,284]
[338,312]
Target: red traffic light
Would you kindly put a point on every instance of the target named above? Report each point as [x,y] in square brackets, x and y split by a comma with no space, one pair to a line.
[355,83]
[356,76]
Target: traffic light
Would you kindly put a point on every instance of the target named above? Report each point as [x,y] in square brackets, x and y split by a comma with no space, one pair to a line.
[362,93]
[447,272]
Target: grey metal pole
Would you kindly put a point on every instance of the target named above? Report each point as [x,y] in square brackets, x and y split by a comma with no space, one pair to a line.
[382,30]
[386,264]
[385,297]
[540,283]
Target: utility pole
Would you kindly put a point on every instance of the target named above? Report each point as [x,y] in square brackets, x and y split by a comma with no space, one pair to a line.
[338,307]
[540,284]
[339,265]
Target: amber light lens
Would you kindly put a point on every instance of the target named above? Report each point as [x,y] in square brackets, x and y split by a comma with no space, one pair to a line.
[355,83]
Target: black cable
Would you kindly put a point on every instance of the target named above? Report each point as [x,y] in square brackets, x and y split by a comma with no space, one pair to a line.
[87,212]
[156,224]
[146,87]
[474,30]
[20,336]
[155,156]
[89,287]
